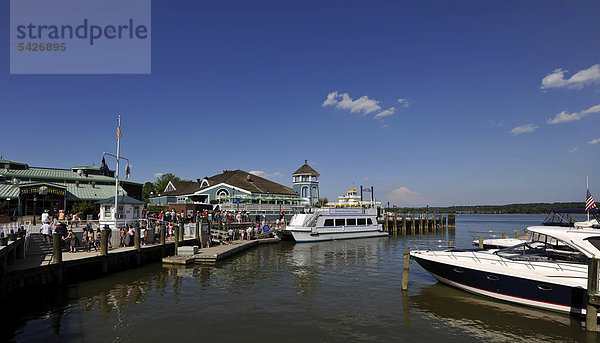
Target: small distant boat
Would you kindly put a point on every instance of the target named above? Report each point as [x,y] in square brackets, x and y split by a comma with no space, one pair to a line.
[349,218]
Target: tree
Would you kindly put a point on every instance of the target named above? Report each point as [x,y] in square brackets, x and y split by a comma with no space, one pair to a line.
[161,182]
[85,208]
[147,189]
[321,202]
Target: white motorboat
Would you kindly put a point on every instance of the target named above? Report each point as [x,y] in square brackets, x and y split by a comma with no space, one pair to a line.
[349,218]
[548,271]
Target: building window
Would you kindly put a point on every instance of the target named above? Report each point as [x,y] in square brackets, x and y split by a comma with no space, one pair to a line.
[305,179]
[315,192]
[222,192]
[328,222]
[304,192]
[340,222]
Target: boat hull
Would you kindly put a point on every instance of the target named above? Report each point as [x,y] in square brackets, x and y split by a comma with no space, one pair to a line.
[310,236]
[530,292]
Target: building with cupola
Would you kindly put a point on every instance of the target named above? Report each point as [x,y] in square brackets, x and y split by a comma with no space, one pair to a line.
[305,182]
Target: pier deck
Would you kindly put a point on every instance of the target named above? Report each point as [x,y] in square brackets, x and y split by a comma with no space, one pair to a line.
[217,253]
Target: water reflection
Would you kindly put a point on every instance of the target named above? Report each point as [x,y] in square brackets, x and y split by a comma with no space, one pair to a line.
[491,320]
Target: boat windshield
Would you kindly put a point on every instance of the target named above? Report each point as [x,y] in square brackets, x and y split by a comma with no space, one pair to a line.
[543,248]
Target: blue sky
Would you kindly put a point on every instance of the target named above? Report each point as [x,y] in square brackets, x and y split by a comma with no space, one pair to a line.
[244,85]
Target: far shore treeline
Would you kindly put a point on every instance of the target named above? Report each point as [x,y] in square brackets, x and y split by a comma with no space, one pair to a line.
[535,208]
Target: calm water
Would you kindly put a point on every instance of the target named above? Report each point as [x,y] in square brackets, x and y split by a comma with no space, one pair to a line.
[322,292]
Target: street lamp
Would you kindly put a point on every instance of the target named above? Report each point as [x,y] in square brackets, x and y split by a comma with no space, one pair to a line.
[34,208]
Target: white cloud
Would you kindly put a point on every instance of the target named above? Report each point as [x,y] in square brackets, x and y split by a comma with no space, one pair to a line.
[556,78]
[405,102]
[264,174]
[594,141]
[573,149]
[343,101]
[564,117]
[158,175]
[385,113]
[523,129]
[405,197]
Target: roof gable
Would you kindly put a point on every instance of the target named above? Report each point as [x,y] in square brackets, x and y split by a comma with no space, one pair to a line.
[250,182]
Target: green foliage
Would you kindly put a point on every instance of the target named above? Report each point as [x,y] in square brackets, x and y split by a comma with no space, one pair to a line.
[161,182]
[147,189]
[321,202]
[84,208]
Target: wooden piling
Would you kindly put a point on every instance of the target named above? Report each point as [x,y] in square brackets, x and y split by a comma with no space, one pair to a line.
[104,242]
[591,320]
[198,231]
[385,221]
[480,242]
[413,226]
[405,269]
[57,249]
[427,220]
[450,245]
[404,223]
[181,232]
[421,228]
[503,235]
[176,228]
[516,233]
[162,234]
[396,222]
[136,240]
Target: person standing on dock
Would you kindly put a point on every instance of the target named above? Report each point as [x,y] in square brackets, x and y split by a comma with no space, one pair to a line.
[46,230]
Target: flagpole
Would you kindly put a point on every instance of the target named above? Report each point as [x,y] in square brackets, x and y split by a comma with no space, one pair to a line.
[587,185]
[117,174]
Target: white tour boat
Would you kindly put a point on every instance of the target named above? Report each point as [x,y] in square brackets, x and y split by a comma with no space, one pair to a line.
[548,271]
[349,218]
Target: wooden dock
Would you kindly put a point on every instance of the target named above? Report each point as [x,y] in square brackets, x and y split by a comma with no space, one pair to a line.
[217,253]
[418,223]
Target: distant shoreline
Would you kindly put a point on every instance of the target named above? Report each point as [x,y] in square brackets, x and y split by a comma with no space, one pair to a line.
[532,208]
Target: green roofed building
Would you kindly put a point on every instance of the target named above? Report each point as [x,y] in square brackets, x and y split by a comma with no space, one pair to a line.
[26,190]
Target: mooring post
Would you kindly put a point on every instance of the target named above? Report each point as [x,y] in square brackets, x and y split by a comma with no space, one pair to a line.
[524,232]
[516,233]
[480,242]
[136,241]
[591,319]
[405,269]
[450,245]
[162,234]
[404,223]
[385,221]
[442,221]
[198,232]
[395,222]
[104,242]
[176,228]
[413,226]
[56,242]
[181,233]
[503,235]
[427,219]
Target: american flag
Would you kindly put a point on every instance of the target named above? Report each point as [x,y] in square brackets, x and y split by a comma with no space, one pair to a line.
[589,202]
[119,131]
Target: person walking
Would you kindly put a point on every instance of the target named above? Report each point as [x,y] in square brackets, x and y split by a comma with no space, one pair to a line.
[46,230]
[71,240]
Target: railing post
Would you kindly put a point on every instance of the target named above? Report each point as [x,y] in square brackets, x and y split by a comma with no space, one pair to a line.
[56,245]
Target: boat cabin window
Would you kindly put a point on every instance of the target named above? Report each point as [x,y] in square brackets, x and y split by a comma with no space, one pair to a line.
[369,221]
[595,241]
[351,221]
[340,222]
[361,221]
[328,222]
[543,248]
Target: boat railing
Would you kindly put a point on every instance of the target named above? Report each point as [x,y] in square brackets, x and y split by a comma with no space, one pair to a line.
[481,258]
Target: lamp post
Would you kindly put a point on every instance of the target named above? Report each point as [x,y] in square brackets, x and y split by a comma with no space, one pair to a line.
[34,208]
